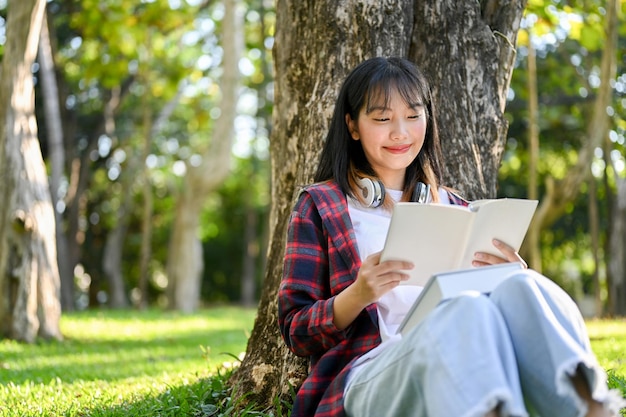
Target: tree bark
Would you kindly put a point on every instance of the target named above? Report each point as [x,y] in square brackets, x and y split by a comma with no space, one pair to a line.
[56,155]
[468,50]
[185,261]
[29,277]
[469,62]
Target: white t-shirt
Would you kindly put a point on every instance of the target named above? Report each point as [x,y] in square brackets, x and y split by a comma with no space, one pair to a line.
[370,227]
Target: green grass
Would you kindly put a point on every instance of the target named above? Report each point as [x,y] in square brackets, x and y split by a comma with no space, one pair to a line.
[608,340]
[153,363]
[120,363]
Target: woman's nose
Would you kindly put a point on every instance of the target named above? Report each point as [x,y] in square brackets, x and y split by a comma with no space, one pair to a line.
[399,130]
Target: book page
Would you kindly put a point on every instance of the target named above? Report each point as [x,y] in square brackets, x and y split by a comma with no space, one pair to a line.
[506,219]
[432,236]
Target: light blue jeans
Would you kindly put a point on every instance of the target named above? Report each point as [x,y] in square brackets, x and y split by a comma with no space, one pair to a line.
[516,347]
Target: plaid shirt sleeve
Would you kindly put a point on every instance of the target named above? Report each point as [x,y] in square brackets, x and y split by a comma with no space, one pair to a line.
[305,299]
[321,260]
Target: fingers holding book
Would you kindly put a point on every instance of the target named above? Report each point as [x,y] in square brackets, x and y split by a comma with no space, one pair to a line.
[375,278]
[508,255]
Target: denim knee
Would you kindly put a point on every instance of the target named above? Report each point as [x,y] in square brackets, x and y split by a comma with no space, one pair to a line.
[520,282]
[470,308]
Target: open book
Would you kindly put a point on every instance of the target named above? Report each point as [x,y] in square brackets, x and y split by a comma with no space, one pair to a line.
[442,237]
[450,284]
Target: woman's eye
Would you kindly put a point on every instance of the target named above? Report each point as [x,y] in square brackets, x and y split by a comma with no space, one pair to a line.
[415,116]
[381,119]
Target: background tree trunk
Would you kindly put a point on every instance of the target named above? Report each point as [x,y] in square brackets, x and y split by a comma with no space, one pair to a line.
[29,277]
[148,208]
[250,257]
[594,234]
[317,43]
[532,245]
[185,261]
[114,245]
[617,245]
[112,256]
[56,155]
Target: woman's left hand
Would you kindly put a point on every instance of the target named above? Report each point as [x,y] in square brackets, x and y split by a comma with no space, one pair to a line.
[509,255]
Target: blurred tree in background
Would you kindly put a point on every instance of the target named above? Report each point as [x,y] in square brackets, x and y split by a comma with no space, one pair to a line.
[569,40]
[138,96]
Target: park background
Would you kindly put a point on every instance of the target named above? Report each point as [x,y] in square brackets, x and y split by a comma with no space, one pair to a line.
[154,121]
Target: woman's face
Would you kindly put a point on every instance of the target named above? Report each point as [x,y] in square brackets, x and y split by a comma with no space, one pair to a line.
[392,137]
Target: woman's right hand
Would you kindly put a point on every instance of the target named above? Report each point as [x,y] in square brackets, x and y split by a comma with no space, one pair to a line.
[374,279]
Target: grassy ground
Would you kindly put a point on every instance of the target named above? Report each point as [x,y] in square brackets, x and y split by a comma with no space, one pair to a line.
[122,363]
[155,363]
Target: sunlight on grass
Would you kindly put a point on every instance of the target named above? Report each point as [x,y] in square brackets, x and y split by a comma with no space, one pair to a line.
[608,340]
[112,359]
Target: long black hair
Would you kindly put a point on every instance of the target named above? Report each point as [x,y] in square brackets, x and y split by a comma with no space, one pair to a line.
[343,158]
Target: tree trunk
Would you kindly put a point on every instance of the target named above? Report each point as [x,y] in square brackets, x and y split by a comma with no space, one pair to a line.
[617,257]
[468,50]
[153,128]
[114,244]
[29,277]
[533,242]
[112,257]
[148,208]
[184,263]
[37,309]
[250,257]
[316,44]
[594,232]
[56,155]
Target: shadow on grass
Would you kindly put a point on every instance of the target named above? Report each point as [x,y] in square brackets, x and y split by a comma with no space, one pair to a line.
[202,398]
[207,397]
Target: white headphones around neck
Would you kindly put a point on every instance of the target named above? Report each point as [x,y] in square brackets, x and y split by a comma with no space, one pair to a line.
[373,192]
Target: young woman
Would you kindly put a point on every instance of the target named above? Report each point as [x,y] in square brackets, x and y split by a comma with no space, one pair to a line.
[522,346]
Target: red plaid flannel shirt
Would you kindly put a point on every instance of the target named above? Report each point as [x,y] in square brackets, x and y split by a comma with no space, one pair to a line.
[321,260]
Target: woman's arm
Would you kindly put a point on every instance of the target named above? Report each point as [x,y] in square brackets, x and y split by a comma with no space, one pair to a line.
[305,299]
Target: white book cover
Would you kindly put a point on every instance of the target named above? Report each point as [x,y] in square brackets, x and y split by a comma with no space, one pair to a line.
[447,285]
[441,237]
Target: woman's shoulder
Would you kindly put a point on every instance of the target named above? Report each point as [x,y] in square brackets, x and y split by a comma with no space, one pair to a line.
[328,191]
[325,197]
[329,186]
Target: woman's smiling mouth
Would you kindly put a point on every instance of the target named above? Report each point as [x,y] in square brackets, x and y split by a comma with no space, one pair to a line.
[398,149]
